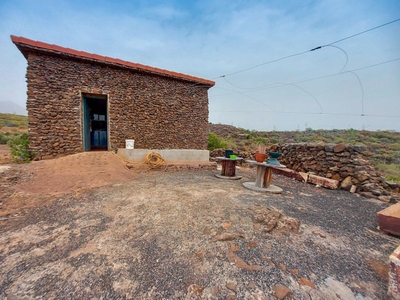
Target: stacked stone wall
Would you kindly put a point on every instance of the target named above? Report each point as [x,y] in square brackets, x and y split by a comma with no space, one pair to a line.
[156,111]
[346,163]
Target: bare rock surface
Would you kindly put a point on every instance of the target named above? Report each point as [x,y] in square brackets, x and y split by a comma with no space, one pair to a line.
[159,235]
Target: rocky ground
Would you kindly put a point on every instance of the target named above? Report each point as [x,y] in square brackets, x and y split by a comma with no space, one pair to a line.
[157,234]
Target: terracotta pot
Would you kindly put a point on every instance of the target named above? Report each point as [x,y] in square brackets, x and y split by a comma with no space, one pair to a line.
[260,157]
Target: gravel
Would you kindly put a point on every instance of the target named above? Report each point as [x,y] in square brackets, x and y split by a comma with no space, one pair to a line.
[151,238]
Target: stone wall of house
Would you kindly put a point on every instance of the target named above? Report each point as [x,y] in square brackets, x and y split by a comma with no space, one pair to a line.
[156,111]
[342,162]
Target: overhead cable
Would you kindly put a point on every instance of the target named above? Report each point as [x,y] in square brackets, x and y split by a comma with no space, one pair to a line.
[275,85]
[306,113]
[362,32]
[304,52]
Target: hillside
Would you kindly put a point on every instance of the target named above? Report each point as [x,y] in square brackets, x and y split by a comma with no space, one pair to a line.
[383,146]
[9,107]
[12,120]
[11,126]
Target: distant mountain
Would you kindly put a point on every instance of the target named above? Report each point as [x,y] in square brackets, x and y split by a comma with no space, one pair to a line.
[9,107]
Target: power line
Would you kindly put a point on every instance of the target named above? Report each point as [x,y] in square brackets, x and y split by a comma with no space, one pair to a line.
[279,84]
[297,54]
[375,65]
[304,52]
[275,85]
[362,32]
[262,64]
[362,91]
[306,113]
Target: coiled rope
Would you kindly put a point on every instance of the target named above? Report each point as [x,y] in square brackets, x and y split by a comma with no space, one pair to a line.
[154,160]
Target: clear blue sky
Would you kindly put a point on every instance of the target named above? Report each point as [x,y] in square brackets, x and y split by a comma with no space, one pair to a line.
[326,88]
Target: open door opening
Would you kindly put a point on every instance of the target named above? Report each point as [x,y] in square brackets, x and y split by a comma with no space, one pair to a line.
[95,137]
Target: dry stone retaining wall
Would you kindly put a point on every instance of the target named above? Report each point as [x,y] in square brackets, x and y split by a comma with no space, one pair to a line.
[158,112]
[343,162]
[346,163]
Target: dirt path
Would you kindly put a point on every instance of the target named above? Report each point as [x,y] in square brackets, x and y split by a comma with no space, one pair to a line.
[26,185]
[189,235]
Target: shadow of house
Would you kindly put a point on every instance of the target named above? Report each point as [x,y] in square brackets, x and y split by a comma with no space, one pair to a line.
[78,101]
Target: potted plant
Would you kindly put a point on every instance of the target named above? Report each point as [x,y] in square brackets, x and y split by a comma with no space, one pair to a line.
[260,154]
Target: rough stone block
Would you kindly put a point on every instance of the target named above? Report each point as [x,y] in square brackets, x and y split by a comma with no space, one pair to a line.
[394,275]
[389,219]
[288,173]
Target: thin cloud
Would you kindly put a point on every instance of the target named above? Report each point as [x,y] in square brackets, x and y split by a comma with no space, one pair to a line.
[211,38]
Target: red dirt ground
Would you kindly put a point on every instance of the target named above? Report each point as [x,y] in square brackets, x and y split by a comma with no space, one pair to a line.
[27,185]
[75,172]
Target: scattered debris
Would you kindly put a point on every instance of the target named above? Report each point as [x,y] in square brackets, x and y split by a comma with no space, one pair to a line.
[320,181]
[225,236]
[226,225]
[305,281]
[281,291]
[271,219]
[240,263]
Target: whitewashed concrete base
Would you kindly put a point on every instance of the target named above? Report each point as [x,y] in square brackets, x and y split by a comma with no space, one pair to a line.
[271,189]
[169,155]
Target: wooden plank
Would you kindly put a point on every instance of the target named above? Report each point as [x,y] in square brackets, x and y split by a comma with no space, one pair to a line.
[322,181]
[389,219]
[301,176]
[230,167]
[267,177]
[260,176]
[288,173]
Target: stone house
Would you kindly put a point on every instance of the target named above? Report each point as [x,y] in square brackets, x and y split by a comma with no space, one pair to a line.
[79,101]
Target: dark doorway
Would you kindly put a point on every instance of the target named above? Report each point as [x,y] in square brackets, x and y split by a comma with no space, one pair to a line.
[95,131]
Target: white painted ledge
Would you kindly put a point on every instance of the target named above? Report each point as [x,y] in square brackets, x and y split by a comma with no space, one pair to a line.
[169,155]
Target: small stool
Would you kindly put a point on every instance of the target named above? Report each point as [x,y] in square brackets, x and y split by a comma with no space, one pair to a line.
[228,168]
[263,178]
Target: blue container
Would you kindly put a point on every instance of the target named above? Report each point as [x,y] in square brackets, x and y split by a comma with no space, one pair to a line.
[228,153]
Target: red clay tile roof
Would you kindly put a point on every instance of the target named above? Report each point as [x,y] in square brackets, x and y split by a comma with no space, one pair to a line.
[20,42]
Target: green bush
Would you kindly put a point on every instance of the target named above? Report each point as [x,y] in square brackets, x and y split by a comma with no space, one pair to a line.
[19,147]
[260,140]
[214,142]
[273,141]
[5,137]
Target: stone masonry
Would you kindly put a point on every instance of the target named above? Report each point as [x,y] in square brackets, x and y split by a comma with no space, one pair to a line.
[343,162]
[157,108]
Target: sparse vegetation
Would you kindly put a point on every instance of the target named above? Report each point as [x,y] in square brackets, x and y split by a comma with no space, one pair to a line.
[214,142]
[10,120]
[19,147]
[392,171]
[383,146]
[6,136]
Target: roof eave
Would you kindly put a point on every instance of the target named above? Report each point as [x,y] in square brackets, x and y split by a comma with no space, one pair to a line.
[24,45]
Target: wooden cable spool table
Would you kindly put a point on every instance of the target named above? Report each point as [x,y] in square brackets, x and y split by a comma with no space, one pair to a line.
[228,167]
[263,178]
